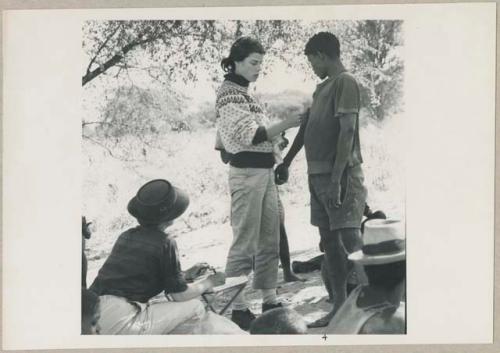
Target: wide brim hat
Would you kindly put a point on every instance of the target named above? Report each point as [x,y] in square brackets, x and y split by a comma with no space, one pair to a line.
[383,242]
[158,201]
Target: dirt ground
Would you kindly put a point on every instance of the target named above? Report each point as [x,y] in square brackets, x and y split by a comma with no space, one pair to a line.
[308,298]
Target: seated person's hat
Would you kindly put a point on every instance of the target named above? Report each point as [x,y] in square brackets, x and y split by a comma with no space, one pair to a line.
[158,201]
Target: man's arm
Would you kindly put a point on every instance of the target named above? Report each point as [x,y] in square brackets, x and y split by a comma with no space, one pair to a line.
[174,281]
[344,148]
[281,172]
[344,144]
[297,144]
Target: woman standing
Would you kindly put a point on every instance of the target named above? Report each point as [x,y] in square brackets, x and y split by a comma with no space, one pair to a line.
[245,133]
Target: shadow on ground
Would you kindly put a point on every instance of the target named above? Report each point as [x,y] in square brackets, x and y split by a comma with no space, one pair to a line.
[307,298]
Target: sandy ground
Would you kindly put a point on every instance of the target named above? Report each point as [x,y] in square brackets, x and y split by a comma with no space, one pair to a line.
[307,298]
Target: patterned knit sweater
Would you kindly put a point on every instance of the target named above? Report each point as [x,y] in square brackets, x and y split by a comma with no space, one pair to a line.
[238,116]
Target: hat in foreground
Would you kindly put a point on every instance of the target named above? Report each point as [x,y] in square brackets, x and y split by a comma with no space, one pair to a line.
[384,242]
[158,201]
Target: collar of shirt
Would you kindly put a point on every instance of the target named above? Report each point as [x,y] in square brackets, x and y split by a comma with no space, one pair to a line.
[332,77]
[238,79]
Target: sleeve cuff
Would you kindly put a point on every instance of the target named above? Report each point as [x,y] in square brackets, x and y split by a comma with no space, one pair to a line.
[343,111]
[260,135]
[176,287]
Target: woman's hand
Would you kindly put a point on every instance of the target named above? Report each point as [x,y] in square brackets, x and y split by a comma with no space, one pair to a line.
[274,130]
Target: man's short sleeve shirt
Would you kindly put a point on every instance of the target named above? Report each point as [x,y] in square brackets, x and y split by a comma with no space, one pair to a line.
[143,262]
[333,97]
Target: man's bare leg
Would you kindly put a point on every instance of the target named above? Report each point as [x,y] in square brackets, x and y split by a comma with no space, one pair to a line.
[337,245]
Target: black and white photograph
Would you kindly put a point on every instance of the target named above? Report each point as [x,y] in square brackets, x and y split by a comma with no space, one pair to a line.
[243,177]
[249,177]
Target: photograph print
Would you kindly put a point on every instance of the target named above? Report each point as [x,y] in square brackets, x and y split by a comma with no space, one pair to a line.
[243,177]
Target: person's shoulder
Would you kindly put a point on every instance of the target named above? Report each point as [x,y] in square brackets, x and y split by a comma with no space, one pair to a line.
[228,93]
[388,321]
[157,237]
[168,240]
[145,233]
[227,87]
[346,78]
[129,232]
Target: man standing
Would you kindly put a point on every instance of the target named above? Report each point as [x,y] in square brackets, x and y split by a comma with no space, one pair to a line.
[333,154]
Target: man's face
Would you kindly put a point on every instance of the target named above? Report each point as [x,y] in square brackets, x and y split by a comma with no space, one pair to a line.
[318,65]
[249,67]
[90,323]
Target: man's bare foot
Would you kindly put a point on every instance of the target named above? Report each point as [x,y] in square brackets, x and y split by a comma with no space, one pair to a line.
[291,277]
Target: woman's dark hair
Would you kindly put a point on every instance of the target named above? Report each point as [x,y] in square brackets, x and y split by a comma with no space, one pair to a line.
[386,276]
[323,42]
[242,48]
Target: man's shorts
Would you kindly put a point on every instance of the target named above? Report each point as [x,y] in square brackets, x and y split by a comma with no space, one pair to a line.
[353,196]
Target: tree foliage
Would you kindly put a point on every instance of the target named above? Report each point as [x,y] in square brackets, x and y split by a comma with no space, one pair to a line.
[167,51]
[376,61]
[112,44]
[175,48]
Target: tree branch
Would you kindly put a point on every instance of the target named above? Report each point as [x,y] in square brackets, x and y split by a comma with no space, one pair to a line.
[157,34]
[115,59]
[101,47]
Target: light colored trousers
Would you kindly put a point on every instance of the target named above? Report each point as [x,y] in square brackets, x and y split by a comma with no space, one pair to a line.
[118,316]
[255,223]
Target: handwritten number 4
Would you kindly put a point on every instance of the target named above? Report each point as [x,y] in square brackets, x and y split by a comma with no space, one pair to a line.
[324,337]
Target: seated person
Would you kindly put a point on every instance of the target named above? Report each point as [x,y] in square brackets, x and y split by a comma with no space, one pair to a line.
[86,233]
[144,262]
[376,308]
[90,313]
[316,263]
[279,321]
